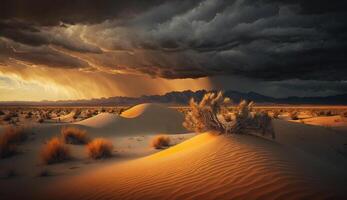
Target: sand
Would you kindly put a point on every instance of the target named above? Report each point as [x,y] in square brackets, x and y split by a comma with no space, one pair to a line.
[208,167]
[141,119]
[304,162]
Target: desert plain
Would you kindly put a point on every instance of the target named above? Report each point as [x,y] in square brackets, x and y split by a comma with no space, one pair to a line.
[306,160]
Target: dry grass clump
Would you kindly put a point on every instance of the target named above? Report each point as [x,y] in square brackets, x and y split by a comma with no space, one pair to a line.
[29,115]
[343,114]
[72,135]
[77,114]
[294,115]
[10,139]
[276,114]
[99,148]
[55,151]
[7,117]
[160,142]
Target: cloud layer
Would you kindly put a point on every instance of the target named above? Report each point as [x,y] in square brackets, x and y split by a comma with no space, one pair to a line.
[261,40]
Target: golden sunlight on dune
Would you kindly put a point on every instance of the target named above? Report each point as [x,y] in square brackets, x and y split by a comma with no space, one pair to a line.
[206,166]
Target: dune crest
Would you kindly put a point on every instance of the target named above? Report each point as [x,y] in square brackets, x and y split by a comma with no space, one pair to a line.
[149,110]
[141,119]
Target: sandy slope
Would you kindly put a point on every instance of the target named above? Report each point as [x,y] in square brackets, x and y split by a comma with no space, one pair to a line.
[325,144]
[130,136]
[141,119]
[334,122]
[211,167]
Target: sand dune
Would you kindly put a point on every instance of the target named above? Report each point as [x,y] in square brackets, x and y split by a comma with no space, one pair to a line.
[334,122]
[141,119]
[318,141]
[206,167]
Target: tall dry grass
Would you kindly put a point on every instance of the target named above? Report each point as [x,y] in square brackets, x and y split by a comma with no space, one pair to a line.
[160,142]
[73,135]
[99,148]
[9,140]
[55,151]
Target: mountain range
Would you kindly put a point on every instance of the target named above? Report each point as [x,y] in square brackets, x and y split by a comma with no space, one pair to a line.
[183,97]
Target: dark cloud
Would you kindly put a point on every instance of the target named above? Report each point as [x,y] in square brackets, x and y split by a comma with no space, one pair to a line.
[267,40]
[30,34]
[54,12]
[283,88]
[41,56]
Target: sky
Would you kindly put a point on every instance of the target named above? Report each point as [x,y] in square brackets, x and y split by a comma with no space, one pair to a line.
[81,49]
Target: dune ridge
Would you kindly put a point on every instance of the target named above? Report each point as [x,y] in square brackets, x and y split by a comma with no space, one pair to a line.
[218,167]
[141,119]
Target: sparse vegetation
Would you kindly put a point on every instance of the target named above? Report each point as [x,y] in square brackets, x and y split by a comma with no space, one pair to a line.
[294,115]
[160,142]
[275,114]
[204,115]
[211,114]
[55,151]
[7,117]
[77,114]
[99,148]
[72,135]
[9,140]
[29,115]
[343,114]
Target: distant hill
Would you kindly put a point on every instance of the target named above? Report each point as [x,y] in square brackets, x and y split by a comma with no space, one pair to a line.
[181,98]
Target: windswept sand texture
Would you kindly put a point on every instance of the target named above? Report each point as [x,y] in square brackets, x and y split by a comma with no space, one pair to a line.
[204,167]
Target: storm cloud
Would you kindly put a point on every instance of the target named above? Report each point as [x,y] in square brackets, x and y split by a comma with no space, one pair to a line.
[274,41]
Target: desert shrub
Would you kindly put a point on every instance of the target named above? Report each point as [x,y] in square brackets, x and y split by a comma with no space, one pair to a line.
[9,140]
[41,120]
[7,117]
[294,115]
[77,114]
[343,114]
[29,115]
[275,114]
[7,149]
[72,135]
[99,148]
[204,115]
[160,142]
[89,114]
[263,122]
[329,113]
[55,151]
[15,135]
[211,114]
